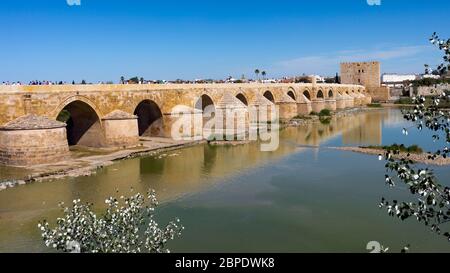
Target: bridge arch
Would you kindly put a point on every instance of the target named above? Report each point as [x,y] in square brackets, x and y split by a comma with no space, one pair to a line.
[242,98]
[269,95]
[320,94]
[291,93]
[203,102]
[83,124]
[307,94]
[330,93]
[150,118]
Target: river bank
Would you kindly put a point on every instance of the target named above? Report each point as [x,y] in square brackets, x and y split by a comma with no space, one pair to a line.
[418,158]
[85,162]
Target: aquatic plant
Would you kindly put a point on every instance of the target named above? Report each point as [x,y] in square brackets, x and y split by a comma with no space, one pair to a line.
[127,226]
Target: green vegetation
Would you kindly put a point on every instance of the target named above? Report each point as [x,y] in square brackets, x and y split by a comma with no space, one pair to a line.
[325,120]
[428,102]
[127,225]
[431,205]
[302,117]
[64,116]
[303,79]
[374,105]
[414,149]
[323,113]
[430,82]
[404,100]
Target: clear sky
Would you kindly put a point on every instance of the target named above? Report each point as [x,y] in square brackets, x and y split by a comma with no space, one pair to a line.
[101,40]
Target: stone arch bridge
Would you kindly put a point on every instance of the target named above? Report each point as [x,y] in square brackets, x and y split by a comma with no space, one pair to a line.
[116,115]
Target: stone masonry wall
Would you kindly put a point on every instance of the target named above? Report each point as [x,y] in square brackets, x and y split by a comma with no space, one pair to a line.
[32,147]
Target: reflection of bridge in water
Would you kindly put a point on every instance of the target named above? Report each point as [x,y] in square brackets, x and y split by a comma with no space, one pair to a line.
[185,173]
[361,128]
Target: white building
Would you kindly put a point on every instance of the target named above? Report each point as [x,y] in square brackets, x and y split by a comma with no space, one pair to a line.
[319,78]
[430,76]
[394,79]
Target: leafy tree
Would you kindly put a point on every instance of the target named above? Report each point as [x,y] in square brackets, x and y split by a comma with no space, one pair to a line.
[432,207]
[127,226]
[337,78]
[134,80]
[303,79]
[122,80]
[443,45]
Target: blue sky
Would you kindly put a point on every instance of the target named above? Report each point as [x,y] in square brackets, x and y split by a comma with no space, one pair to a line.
[101,40]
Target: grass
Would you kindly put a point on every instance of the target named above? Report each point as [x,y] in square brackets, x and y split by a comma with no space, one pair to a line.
[415,149]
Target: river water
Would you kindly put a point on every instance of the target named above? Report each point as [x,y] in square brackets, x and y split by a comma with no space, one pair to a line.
[303,197]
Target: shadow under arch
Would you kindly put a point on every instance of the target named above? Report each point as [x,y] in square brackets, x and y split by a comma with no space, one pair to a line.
[83,124]
[150,119]
[203,102]
[268,95]
[330,93]
[242,98]
[307,94]
[291,94]
[320,94]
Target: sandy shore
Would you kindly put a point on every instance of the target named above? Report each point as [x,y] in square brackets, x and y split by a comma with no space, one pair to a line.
[418,158]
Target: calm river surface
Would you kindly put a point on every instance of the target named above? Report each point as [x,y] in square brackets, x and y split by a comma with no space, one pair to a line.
[238,199]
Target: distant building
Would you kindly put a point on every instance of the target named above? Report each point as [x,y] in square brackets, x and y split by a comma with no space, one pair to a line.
[319,79]
[362,73]
[397,80]
[367,74]
[430,76]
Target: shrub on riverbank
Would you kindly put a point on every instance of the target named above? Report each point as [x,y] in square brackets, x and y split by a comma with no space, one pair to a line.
[374,105]
[395,147]
[127,226]
[323,113]
[429,101]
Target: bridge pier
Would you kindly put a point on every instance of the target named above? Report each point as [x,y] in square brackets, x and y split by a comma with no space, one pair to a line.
[331,104]
[340,102]
[304,106]
[367,100]
[33,140]
[318,105]
[231,118]
[349,101]
[287,107]
[265,109]
[120,129]
[358,99]
[183,123]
